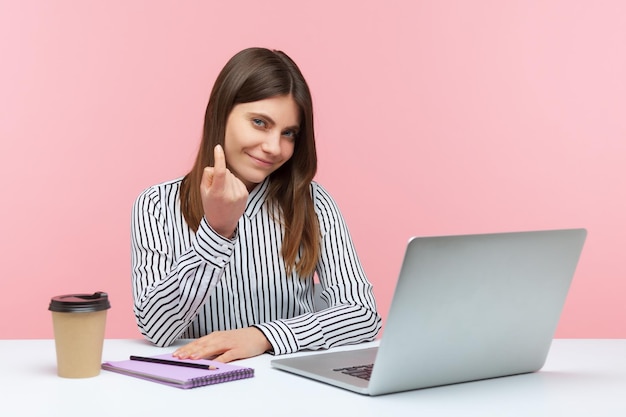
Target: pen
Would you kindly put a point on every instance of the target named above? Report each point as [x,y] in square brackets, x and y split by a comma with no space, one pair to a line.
[174,363]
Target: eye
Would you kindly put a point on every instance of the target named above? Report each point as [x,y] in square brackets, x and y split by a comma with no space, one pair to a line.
[290,134]
[258,122]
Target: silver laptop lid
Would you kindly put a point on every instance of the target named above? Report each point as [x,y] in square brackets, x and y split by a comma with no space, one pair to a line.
[475,306]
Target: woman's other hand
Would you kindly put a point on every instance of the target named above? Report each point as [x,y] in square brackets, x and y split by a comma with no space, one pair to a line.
[226,346]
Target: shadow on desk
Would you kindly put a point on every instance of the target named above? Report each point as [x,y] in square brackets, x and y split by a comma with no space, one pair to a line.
[547,385]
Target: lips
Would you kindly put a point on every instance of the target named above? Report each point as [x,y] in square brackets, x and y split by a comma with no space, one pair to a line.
[261,161]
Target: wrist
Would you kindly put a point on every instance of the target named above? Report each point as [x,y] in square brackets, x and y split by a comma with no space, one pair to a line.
[267,346]
[224,231]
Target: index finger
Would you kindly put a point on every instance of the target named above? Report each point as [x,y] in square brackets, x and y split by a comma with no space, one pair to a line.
[220,159]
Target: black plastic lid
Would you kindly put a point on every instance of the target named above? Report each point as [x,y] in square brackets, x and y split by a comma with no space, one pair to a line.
[80,303]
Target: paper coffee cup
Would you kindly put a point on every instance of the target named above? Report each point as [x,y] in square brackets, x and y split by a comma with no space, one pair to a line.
[79,321]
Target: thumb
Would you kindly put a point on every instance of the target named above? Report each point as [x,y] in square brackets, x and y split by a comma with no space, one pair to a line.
[225,357]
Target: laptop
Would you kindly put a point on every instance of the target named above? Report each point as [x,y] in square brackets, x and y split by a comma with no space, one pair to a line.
[465,308]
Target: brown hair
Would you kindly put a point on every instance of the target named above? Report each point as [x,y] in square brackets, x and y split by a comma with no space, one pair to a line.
[251,75]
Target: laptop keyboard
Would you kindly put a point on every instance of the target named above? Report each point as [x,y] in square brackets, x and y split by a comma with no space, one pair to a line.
[359,371]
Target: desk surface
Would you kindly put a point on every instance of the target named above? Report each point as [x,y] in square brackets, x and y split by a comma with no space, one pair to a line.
[580,378]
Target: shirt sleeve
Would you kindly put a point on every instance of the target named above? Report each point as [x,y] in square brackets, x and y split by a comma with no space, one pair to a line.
[169,291]
[351,316]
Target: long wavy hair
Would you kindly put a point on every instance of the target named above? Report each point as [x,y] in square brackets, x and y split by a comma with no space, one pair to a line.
[251,75]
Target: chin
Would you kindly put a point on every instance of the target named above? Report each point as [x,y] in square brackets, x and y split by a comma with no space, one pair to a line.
[257,176]
[255,180]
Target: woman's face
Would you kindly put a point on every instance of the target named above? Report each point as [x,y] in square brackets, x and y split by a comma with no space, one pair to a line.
[260,137]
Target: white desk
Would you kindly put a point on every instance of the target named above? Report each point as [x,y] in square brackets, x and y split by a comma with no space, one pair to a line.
[580,378]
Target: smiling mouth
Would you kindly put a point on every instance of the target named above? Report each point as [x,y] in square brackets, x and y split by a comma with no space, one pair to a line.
[262,161]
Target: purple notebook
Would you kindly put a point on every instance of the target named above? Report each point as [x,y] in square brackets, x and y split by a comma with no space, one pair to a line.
[178,376]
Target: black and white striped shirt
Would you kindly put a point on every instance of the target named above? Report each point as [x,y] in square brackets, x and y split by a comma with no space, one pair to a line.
[186,284]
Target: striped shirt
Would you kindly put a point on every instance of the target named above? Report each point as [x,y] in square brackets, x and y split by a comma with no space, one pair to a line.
[186,284]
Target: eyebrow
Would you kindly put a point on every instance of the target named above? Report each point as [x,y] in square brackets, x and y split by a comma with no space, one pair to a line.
[271,121]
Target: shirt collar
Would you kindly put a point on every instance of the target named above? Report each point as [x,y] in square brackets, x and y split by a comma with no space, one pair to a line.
[257,197]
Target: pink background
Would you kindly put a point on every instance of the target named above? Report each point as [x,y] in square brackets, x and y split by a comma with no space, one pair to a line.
[433,117]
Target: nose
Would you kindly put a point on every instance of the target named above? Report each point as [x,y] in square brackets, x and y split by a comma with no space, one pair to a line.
[271,144]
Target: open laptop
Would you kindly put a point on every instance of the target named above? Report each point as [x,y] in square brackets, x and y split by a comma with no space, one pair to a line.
[465,308]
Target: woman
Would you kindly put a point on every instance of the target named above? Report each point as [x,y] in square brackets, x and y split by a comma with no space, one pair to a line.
[226,255]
